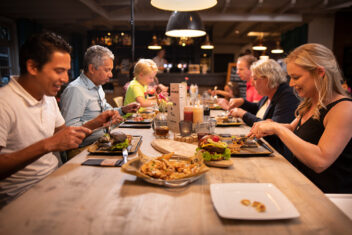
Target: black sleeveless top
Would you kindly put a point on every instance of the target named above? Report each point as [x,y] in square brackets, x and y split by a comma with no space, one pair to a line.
[337,178]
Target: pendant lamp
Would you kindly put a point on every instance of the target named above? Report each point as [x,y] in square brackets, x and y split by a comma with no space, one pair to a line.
[207,45]
[154,44]
[260,46]
[278,49]
[185,24]
[183,5]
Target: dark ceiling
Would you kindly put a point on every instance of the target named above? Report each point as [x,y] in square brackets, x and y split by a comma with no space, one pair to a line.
[229,20]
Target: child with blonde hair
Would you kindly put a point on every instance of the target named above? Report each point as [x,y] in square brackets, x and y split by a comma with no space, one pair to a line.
[144,74]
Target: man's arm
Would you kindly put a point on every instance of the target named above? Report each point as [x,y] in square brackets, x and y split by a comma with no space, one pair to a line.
[65,138]
[73,105]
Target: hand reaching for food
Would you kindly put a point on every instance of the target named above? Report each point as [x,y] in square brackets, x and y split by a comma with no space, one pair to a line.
[263,128]
[69,137]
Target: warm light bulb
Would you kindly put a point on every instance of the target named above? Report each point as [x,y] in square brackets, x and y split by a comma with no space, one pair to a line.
[154,47]
[259,48]
[185,33]
[277,51]
[207,47]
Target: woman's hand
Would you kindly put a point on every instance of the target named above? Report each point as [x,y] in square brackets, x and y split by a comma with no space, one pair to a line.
[263,128]
[236,102]
[237,112]
[223,103]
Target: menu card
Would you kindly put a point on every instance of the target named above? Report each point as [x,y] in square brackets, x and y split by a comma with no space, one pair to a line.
[178,97]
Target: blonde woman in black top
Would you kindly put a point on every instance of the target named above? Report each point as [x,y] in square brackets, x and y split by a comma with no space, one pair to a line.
[320,136]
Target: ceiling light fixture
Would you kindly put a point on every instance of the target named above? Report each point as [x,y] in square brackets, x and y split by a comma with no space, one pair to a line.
[207,44]
[183,5]
[260,46]
[154,44]
[278,49]
[185,24]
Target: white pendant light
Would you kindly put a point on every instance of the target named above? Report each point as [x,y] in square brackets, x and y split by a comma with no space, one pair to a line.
[260,46]
[278,49]
[185,24]
[154,44]
[183,5]
[207,44]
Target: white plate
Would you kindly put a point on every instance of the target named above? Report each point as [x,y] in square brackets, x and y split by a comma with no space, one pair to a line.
[227,201]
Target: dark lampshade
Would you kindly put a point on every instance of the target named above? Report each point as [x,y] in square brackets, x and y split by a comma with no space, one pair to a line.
[185,24]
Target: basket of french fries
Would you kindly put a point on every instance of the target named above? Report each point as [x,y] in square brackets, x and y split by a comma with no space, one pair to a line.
[166,170]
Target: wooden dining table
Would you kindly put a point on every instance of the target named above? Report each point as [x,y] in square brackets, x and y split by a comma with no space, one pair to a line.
[78,199]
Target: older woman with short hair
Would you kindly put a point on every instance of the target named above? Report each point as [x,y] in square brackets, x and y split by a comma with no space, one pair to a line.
[278,104]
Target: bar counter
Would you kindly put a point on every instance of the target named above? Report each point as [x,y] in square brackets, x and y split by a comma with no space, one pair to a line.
[79,199]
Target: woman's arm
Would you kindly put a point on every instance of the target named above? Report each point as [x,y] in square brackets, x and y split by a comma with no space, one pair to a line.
[225,94]
[337,133]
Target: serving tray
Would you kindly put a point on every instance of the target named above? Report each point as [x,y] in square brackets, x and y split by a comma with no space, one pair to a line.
[258,149]
[135,125]
[136,141]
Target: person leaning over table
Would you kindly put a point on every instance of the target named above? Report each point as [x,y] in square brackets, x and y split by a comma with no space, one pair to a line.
[84,98]
[320,136]
[231,90]
[278,104]
[144,72]
[243,70]
[31,125]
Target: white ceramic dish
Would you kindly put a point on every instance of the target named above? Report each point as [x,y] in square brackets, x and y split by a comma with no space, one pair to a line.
[227,201]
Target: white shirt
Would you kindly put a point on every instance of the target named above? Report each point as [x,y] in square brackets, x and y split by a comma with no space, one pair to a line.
[159,62]
[23,122]
[262,110]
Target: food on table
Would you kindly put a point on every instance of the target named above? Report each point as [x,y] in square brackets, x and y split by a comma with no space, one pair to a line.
[139,117]
[260,207]
[246,202]
[188,139]
[167,168]
[213,149]
[114,141]
[227,120]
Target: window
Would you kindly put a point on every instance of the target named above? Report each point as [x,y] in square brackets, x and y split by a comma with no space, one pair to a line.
[8,49]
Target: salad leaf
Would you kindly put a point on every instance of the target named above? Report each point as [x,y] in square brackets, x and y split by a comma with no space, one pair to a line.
[121,145]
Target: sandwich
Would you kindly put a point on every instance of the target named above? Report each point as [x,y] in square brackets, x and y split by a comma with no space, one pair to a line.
[114,141]
[213,149]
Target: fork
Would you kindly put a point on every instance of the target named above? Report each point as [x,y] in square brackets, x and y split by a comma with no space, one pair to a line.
[125,155]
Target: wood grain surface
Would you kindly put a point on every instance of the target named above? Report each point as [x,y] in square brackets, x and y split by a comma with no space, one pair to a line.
[79,199]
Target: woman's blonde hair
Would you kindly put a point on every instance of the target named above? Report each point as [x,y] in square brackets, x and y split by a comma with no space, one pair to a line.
[311,57]
[271,70]
[145,66]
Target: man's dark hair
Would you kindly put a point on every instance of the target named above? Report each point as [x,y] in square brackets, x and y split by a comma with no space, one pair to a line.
[40,47]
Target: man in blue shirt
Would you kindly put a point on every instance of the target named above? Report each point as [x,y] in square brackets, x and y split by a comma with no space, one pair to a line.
[84,98]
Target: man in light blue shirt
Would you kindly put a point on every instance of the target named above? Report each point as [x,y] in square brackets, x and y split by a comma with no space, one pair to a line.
[84,98]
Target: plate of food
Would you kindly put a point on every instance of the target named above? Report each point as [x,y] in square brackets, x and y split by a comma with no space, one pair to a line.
[215,107]
[114,143]
[227,121]
[251,201]
[140,118]
[166,170]
[246,147]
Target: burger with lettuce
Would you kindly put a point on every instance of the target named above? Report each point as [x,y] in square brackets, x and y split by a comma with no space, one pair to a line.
[213,149]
